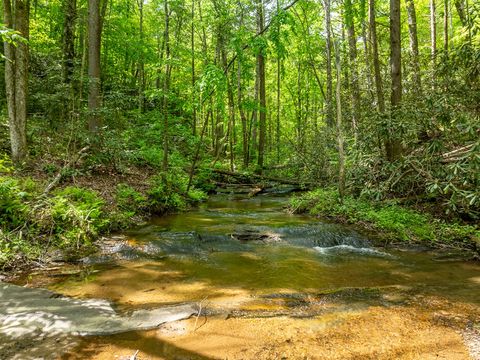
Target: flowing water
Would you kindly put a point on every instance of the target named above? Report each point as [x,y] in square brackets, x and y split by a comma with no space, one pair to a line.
[247,258]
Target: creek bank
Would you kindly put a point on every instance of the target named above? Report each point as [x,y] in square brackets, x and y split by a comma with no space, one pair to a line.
[377,332]
[40,227]
[266,300]
[390,224]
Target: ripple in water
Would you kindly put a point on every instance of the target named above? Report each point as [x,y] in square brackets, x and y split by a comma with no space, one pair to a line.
[349,249]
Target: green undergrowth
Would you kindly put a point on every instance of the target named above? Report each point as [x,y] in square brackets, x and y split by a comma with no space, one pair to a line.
[70,218]
[390,220]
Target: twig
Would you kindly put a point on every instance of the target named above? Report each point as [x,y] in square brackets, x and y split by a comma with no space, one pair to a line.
[80,155]
[134,356]
[199,312]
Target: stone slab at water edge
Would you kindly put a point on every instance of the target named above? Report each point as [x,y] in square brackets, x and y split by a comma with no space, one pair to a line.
[26,311]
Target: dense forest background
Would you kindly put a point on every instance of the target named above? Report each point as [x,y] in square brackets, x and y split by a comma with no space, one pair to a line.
[380,99]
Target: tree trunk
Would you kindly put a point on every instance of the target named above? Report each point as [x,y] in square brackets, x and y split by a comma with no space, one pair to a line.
[445,28]
[141,62]
[366,49]
[393,145]
[94,70]
[352,45]
[70,10]
[262,93]
[328,29]
[460,6]
[192,41]
[340,140]
[253,131]
[279,66]
[243,116]
[83,66]
[433,38]
[376,60]
[16,77]
[166,88]
[412,31]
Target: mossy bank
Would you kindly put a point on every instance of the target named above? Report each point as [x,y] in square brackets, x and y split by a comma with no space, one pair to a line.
[391,222]
[66,222]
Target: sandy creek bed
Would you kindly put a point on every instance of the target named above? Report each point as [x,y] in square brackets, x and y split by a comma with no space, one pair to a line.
[265,285]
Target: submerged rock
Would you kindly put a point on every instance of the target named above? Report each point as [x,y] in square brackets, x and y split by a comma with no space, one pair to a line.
[252,235]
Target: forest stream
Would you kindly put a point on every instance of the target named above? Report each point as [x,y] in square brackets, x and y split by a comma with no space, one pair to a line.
[265,284]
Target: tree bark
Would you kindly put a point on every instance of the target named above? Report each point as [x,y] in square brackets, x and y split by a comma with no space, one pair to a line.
[166,88]
[243,116]
[352,46]
[393,145]
[433,38]
[262,92]
[412,31]
[460,6]
[70,10]
[445,27]
[376,60]
[16,77]
[279,66]
[328,29]
[366,49]
[192,46]
[141,62]
[340,140]
[94,69]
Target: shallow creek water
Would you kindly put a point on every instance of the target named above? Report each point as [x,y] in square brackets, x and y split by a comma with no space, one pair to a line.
[273,285]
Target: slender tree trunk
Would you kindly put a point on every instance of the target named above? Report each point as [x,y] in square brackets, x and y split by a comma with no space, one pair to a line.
[412,31]
[376,60]
[352,45]
[366,49]
[192,41]
[262,93]
[328,30]
[166,88]
[393,145]
[243,117]
[279,67]
[460,6]
[83,66]
[94,70]
[445,28]
[218,130]
[340,140]
[252,143]
[141,62]
[16,77]
[70,10]
[299,106]
[231,121]
[433,38]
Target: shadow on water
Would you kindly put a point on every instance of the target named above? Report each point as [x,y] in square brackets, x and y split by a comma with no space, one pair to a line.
[198,254]
[251,259]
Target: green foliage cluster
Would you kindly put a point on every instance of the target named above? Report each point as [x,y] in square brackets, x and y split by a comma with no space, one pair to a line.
[130,201]
[439,136]
[392,221]
[30,223]
[72,218]
[168,193]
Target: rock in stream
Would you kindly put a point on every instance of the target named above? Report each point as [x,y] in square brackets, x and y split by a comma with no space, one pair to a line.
[26,311]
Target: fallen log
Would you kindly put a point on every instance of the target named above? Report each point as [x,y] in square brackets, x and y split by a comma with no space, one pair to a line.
[265,178]
[70,164]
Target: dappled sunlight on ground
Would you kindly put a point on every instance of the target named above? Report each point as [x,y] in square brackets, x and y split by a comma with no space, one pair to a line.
[318,291]
[374,333]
